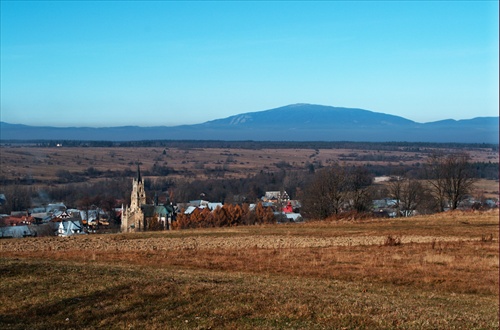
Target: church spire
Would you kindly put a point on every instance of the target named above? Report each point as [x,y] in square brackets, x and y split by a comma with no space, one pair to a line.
[139,179]
[138,195]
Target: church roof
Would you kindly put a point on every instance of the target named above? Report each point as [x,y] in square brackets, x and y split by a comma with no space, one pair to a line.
[150,210]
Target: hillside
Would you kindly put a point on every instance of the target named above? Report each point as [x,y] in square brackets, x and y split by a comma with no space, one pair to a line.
[316,275]
[298,122]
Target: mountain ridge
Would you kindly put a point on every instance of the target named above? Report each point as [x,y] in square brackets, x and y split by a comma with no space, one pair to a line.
[296,122]
[315,114]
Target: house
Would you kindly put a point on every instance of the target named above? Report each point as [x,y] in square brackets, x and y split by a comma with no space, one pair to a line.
[37,210]
[198,203]
[288,208]
[19,220]
[193,205]
[41,217]
[282,217]
[16,231]
[384,203]
[294,217]
[275,197]
[491,203]
[213,206]
[53,207]
[88,216]
[190,209]
[70,228]
[61,215]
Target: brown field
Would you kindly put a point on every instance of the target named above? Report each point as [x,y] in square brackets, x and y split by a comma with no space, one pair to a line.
[489,188]
[43,163]
[427,272]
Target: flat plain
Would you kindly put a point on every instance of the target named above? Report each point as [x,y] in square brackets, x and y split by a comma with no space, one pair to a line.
[42,163]
[427,272]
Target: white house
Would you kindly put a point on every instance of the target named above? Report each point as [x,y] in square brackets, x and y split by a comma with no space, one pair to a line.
[69,228]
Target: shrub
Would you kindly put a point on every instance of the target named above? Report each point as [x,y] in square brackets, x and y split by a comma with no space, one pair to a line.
[392,241]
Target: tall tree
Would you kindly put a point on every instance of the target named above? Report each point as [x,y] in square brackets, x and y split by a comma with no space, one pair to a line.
[18,198]
[336,189]
[450,178]
[327,193]
[359,180]
[259,213]
[408,194]
[248,217]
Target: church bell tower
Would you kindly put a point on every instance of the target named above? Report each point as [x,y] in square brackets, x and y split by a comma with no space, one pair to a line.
[138,196]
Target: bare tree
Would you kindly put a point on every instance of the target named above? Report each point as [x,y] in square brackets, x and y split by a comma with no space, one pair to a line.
[336,189]
[408,194]
[326,193]
[358,181]
[18,198]
[450,178]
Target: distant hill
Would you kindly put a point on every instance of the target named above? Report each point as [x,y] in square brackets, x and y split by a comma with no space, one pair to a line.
[310,116]
[297,122]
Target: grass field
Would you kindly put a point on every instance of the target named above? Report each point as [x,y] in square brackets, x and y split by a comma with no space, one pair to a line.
[43,163]
[433,272]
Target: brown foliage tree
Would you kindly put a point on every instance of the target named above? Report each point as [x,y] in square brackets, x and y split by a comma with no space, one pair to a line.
[220,215]
[154,224]
[181,221]
[263,214]
[248,217]
[236,215]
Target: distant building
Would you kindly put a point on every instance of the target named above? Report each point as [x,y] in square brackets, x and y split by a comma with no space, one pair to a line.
[275,197]
[70,228]
[140,216]
[54,207]
[16,231]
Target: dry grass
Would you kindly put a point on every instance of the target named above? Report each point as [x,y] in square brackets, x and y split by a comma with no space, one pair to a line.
[270,277]
[43,163]
[488,188]
[91,296]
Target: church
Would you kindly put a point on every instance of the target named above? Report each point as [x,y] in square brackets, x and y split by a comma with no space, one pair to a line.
[140,216]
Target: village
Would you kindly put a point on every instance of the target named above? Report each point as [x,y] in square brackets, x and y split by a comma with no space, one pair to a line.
[56,219]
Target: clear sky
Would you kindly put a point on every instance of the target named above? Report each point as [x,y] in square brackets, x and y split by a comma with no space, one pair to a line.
[112,63]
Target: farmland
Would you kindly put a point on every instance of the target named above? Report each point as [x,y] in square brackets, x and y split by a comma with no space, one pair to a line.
[438,271]
[229,172]
[43,163]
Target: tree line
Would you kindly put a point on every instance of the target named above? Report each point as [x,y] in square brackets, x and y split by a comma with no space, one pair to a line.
[444,182]
[256,145]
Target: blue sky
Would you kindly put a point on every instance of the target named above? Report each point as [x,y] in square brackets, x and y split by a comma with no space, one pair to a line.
[84,63]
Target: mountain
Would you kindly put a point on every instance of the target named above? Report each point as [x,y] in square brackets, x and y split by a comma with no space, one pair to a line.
[297,122]
[310,116]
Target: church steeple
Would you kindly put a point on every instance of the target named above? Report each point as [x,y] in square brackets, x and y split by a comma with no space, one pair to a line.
[139,179]
[133,216]
[138,196]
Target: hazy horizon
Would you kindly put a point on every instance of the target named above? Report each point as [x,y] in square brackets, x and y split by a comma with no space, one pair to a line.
[145,126]
[108,64]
